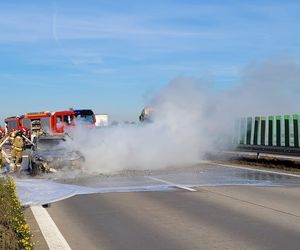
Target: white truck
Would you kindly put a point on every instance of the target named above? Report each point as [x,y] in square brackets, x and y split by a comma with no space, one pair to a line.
[101,120]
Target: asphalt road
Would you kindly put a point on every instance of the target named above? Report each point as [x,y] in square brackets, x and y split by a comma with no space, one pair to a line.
[211,218]
[221,217]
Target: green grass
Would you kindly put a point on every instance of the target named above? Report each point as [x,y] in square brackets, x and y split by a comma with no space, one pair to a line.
[14,231]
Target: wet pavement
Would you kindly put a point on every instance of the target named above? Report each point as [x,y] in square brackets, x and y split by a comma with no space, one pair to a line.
[204,174]
[51,187]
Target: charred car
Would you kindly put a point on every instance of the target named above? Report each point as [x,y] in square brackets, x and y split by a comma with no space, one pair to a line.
[50,153]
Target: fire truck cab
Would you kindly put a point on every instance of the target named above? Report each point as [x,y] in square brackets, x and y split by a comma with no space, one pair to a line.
[61,120]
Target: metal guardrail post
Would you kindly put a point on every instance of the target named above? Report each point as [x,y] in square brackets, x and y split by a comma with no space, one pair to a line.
[263,131]
[287,130]
[256,125]
[296,130]
[278,130]
[270,130]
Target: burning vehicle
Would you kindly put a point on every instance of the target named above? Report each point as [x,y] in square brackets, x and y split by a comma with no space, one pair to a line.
[50,153]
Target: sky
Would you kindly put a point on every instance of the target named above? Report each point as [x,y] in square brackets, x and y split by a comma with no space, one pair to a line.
[113,56]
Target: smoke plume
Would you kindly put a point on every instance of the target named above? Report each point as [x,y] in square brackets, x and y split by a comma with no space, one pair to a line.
[191,118]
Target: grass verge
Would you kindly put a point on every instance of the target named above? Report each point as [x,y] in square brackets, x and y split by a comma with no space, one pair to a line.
[14,231]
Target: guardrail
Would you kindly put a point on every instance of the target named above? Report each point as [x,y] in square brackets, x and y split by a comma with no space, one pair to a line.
[268,134]
[269,149]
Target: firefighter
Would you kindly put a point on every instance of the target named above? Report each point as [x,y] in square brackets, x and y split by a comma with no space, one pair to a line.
[6,129]
[18,147]
[1,133]
[12,137]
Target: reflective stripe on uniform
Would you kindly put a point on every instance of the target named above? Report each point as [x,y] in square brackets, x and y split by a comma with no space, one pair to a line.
[18,149]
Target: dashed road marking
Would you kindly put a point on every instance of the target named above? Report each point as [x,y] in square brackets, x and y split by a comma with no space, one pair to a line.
[173,184]
[51,233]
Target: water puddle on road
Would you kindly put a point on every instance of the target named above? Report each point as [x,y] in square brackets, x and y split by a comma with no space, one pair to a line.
[51,188]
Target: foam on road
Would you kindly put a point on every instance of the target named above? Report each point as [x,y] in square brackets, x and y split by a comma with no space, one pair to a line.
[37,191]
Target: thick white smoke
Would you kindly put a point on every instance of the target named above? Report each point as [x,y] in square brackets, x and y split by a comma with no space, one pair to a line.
[190,119]
[176,136]
[271,87]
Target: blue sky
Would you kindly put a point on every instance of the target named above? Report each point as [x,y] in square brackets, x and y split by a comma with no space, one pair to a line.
[112,56]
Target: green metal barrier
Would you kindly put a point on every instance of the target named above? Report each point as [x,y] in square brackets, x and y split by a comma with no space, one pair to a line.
[270,130]
[278,130]
[263,131]
[296,130]
[256,126]
[287,130]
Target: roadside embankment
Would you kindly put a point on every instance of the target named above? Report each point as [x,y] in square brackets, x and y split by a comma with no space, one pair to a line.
[14,231]
[289,164]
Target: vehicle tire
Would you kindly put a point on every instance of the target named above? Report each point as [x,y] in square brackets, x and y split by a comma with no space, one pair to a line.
[46,205]
[35,169]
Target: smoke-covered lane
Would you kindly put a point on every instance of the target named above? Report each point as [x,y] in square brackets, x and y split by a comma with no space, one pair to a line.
[212,218]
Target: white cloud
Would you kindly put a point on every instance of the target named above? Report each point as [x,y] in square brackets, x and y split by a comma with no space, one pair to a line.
[31,24]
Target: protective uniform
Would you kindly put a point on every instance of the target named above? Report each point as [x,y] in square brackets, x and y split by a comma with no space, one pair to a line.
[18,147]
[12,137]
[1,133]
[2,159]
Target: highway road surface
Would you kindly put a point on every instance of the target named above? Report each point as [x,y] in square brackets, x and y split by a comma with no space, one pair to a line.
[207,206]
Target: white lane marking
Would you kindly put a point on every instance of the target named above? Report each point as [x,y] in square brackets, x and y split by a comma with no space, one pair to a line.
[254,169]
[51,233]
[173,184]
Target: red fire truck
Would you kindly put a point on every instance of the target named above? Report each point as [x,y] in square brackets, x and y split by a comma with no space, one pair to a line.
[13,123]
[39,122]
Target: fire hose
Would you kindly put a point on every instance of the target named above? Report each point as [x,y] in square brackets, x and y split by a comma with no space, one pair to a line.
[3,152]
[28,140]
